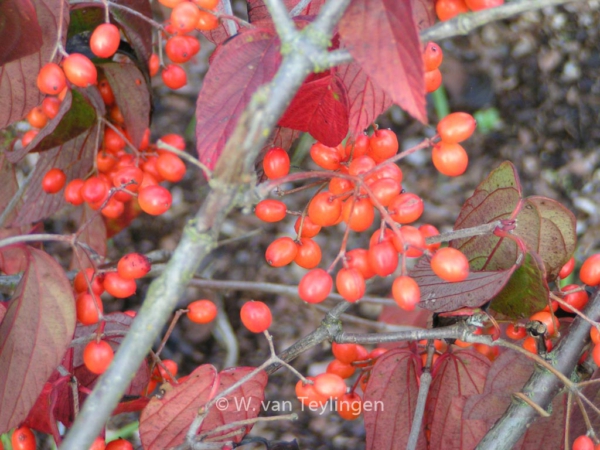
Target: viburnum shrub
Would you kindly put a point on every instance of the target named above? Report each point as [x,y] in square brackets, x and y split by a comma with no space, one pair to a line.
[429,323]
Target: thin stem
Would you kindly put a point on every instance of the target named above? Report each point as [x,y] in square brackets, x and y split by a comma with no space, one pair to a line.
[35,238]
[58,35]
[137,14]
[106,12]
[165,338]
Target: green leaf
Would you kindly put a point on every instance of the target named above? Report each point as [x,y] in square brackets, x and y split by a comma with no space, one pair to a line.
[526,292]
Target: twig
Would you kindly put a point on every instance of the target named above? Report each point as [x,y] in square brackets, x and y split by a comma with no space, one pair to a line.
[415,429]
[225,335]
[229,11]
[283,24]
[299,7]
[137,14]
[35,238]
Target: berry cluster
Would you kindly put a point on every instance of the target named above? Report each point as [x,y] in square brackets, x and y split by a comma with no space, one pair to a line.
[363,178]
[186,18]
[448,9]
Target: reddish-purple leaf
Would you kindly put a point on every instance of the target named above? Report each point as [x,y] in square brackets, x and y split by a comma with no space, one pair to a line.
[3,307]
[456,377]
[18,89]
[76,115]
[137,30]
[320,108]
[396,316]
[366,99]
[440,296]
[392,396]
[75,158]
[243,64]
[423,13]
[243,403]
[9,185]
[132,97]
[41,417]
[20,32]
[382,37]
[165,420]
[257,10]
[94,235]
[576,423]
[34,335]
[13,258]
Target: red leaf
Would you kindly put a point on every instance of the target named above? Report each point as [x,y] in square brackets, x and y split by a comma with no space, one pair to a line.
[9,185]
[75,158]
[164,422]
[41,417]
[257,9]
[18,90]
[456,377]
[440,296]
[366,99]
[131,406]
[3,307]
[382,37]
[34,335]
[243,403]
[423,13]
[94,235]
[393,384]
[137,30]
[132,97]
[321,108]
[243,64]
[20,32]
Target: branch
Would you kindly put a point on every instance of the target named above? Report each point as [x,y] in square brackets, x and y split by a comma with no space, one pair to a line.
[234,170]
[543,386]
[463,24]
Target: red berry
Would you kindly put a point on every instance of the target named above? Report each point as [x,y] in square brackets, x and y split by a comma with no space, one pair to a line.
[79,70]
[202,311]
[167,373]
[51,80]
[349,406]
[256,316]
[530,344]
[179,49]
[450,264]
[567,269]
[406,208]
[329,385]
[577,300]
[383,144]
[105,40]
[450,159]
[174,76]
[51,106]
[154,64]
[359,259]
[276,163]
[98,444]
[478,5]
[174,140]
[361,165]
[119,444]
[413,242]
[94,190]
[307,395]
[315,286]
[28,137]
[456,127]
[345,353]
[207,21]
[207,4]
[118,286]
[595,335]
[108,96]
[133,265]
[433,80]
[281,252]
[154,200]
[88,307]
[358,147]
[447,9]
[270,210]
[358,213]
[309,253]
[53,181]
[350,284]
[432,56]
[185,16]
[80,283]
[341,369]
[428,230]
[596,354]
[170,167]
[385,190]
[406,292]
[97,356]
[383,258]
[328,158]
[37,118]
[23,439]
[590,270]
[309,228]
[515,333]
[583,442]
[325,209]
